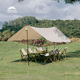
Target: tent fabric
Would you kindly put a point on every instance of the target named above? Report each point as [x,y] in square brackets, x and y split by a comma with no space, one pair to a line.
[22,35]
[52,34]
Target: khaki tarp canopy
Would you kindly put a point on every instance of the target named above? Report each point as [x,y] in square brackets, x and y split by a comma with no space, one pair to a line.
[22,35]
[52,34]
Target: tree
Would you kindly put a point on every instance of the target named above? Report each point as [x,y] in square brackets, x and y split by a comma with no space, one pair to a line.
[12,33]
[0,38]
[7,34]
[20,0]
[5,24]
[0,33]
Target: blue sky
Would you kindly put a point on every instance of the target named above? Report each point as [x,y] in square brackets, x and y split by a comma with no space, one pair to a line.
[41,9]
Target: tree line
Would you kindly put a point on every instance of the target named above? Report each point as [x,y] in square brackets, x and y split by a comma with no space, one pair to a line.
[71,1]
[66,1]
[71,28]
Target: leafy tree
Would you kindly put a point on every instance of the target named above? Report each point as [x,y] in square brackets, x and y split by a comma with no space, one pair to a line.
[20,0]
[5,24]
[0,38]
[0,33]
[71,1]
[12,33]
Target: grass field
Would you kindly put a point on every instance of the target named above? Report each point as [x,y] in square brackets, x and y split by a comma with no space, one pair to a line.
[12,69]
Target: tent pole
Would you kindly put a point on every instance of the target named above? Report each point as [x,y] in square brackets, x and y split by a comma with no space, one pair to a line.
[27,44]
[58,45]
[27,47]
[54,45]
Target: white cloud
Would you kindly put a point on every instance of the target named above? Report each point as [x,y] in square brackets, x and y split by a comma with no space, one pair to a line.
[5,4]
[7,17]
[41,9]
[12,9]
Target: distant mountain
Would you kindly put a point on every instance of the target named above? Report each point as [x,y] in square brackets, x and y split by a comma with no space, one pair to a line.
[1,25]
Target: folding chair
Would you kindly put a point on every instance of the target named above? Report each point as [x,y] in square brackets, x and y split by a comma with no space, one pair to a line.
[56,54]
[32,56]
[63,54]
[48,56]
[40,49]
[23,54]
[30,50]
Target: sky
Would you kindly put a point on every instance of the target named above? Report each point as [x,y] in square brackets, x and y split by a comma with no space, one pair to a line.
[41,9]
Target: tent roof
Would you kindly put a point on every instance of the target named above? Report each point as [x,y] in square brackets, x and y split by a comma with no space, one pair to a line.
[52,34]
[22,34]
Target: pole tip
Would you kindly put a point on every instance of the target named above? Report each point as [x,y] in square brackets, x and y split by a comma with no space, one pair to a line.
[26,28]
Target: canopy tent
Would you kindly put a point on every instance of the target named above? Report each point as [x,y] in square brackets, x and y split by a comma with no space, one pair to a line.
[22,35]
[52,34]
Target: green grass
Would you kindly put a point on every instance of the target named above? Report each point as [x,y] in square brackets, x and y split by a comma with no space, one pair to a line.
[12,69]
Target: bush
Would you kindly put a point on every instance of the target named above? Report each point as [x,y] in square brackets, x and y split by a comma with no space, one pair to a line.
[0,38]
[40,42]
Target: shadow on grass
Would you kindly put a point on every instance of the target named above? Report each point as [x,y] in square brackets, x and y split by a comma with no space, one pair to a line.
[74,54]
[42,62]
[38,61]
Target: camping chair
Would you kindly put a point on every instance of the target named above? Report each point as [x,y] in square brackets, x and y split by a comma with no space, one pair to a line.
[31,55]
[30,51]
[23,54]
[59,54]
[37,53]
[62,54]
[40,50]
[53,55]
[56,54]
[48,56]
